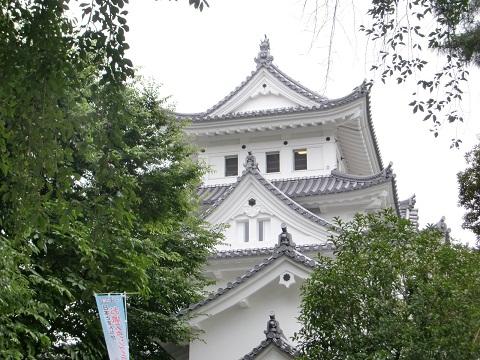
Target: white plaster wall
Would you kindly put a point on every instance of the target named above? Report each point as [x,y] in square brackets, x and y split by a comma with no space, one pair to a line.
[236,331]
[321,156]
[346,214]
[233,241]
[265,101]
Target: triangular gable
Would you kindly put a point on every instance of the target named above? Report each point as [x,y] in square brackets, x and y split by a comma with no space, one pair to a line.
[284,258]
[312,227]
[265,88]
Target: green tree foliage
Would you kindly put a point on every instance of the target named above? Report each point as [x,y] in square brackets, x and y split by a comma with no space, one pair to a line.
[97,188]
[392,292]
[469,189]
[404,28]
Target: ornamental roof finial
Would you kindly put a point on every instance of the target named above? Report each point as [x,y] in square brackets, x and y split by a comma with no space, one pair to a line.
[285,238]
[444,229]
[264,58]
[388,171]
[273,328]
[250,162]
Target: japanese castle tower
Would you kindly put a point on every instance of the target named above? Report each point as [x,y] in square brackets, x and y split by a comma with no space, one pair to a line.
[284,162]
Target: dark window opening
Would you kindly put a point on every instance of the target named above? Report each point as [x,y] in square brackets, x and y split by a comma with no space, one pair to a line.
[246,231]
[273,162]
[261,230]
[300,159]
[231,165]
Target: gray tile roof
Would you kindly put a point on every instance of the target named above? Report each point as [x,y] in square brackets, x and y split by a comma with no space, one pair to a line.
[278,252]
[288,189]
[273,336]
[251,167]
[279,343]
[324,105]
[334,183]
[235,253]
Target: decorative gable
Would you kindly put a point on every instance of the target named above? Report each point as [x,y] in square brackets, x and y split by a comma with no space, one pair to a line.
[253,205]
[266,88]
[263,91]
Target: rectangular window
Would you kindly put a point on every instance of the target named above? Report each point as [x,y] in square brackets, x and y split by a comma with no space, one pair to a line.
[246,231]
[231,165]
[263,228]
[243,230]
[273,162]
[300,159]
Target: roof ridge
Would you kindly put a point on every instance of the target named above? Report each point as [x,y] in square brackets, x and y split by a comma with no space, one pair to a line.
[324,105]
[301,178]
[312,95]
[268,250]
[385,173]
[214,185]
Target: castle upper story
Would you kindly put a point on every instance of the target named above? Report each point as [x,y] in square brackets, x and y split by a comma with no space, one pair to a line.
[280,152]
[293,131]
[280,155]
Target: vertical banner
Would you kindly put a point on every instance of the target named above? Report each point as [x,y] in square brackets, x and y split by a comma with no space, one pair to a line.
[113,315]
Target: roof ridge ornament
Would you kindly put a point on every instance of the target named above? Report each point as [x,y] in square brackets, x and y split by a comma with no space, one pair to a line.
[264,58]
[273,328]
[251,162]
[444,229]
[412,200]
[388,171]
[285,238]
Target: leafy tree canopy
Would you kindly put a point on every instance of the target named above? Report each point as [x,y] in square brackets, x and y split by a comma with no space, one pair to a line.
[469,189]
[97,188]
[392,292]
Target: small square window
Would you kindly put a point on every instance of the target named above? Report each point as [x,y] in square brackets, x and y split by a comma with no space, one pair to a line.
[231,165]
[300,159]
[273,162]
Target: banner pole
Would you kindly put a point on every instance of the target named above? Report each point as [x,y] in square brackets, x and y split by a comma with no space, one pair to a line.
[126,313]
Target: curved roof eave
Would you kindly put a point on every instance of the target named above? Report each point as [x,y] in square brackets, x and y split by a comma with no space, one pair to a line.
[252,252]
[335,183]
[372,128]
[287,187]
[323,105]
[283,250]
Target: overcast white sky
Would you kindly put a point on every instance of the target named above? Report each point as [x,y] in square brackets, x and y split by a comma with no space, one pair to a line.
[200,57]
